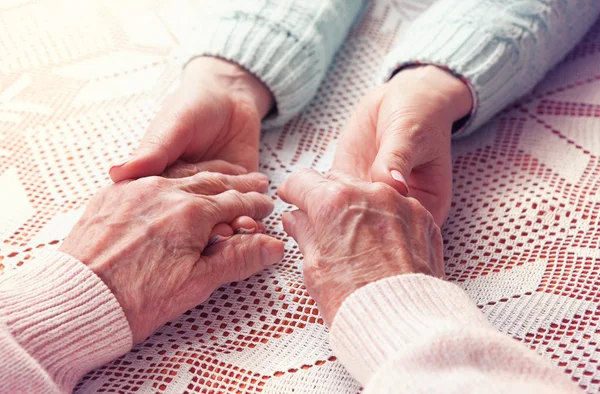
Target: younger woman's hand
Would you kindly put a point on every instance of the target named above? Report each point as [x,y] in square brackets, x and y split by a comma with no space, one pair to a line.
[215,113]
[400,135]
[148,240]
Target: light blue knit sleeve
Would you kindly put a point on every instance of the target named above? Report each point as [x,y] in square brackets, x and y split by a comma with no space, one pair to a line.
[502,48]
[287,44]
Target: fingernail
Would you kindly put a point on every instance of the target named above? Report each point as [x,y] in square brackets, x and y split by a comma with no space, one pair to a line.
[119,165]
[243,230]
[216,239]
[400,178]
[271,253]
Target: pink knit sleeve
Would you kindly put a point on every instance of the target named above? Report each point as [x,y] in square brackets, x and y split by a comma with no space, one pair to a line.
[419,334]
[57,322]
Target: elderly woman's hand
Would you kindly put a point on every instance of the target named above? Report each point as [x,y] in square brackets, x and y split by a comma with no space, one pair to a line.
[215,113]
[148,241]
[352,233]
[400,135]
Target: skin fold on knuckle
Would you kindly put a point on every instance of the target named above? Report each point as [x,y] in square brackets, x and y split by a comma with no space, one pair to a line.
[237,263]
[411,122]
[245,204]
[212,182]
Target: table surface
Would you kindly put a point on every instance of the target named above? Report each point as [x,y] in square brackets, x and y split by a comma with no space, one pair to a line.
[79,82]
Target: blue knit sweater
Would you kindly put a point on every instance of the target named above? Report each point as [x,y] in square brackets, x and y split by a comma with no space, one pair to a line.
[502,48]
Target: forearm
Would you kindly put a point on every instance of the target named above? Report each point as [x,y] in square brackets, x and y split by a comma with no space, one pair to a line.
[501,48]
[57,322]
[414,333]
[286,44]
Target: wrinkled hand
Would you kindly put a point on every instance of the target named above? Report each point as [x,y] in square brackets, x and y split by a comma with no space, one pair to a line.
[222,231]
[352,233]
[400,135]
[215,113]
[148,241]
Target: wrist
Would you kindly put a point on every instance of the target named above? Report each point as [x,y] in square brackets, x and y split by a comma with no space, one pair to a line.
[447,92]
[233,78]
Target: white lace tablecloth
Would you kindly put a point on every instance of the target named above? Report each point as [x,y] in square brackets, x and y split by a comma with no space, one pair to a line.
[79,82]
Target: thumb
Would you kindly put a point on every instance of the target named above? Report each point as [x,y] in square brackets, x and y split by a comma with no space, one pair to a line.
[240,257]
[394,161]
[149,159]
[166,139]
[297,225]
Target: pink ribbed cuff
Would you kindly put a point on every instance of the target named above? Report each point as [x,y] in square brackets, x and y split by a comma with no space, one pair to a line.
[64,316]
[377,321]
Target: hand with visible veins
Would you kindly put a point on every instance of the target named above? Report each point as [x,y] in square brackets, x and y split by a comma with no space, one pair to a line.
[353,232]
[400,135]
[149,241]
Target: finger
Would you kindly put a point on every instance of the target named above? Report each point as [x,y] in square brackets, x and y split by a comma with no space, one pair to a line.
[244,225]
[297,225]
[209,183]
[357,147]
[164,142]
[239,257]
[393,162]
[220,233]
[261,227]
[181,169]
[343,177]
[304,188]
[232,204]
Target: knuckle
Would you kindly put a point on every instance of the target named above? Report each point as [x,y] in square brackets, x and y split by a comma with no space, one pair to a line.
[408,121]
[243,262]
[414,205]
[214,180]
[210,206]
[152,182]
[339,195]
[419,211]
[238,263]
[181,167]
[236,196]
[383,191]
[400,156]
[205,183]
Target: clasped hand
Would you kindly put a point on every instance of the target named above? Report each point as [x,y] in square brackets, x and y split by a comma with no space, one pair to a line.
[154,241]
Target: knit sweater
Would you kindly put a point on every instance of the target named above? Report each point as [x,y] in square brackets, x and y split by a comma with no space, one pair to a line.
[502,48]
[409,333]
[58,321]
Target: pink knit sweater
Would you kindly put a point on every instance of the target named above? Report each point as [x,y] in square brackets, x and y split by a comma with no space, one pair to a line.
[409,333]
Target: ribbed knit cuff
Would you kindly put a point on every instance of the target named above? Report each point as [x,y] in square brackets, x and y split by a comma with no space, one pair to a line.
[483,61]
[64,316]
[378,320]
[290,68]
